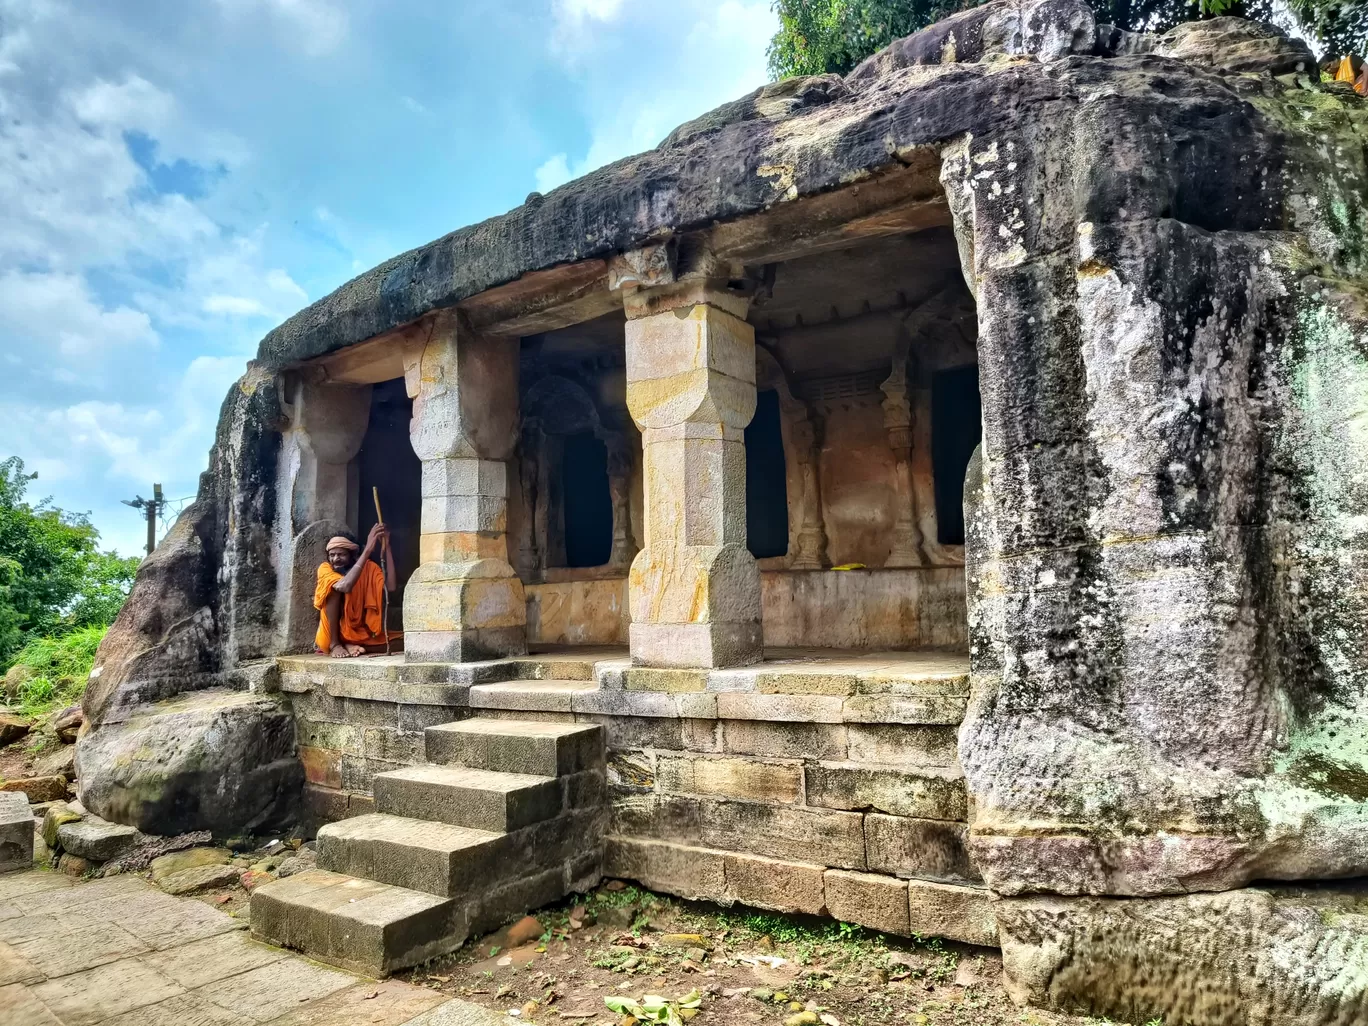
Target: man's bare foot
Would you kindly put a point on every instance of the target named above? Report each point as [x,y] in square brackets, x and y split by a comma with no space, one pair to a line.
[346,651]
[356,650]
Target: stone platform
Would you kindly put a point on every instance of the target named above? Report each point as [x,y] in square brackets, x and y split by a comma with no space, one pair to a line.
[816,781]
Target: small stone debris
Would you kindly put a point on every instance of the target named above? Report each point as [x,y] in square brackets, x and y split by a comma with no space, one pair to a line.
[12,728]
[67,724]
[199,879]
[177,862]
[254,878]
[39,789]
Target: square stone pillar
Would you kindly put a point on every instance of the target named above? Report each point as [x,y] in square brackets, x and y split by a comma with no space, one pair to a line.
[694,590]
[464,602]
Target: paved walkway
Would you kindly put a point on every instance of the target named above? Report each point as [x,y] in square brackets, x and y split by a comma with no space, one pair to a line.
[119,952]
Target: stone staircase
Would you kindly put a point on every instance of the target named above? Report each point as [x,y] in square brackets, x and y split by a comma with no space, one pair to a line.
[505,816]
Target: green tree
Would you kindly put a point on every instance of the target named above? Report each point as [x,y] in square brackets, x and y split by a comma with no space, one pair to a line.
[820,36]
[53,578]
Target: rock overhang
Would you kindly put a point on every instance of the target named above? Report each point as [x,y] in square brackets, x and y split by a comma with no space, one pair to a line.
[989,72]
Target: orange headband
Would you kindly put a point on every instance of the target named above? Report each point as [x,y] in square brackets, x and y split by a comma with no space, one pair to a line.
[339,542]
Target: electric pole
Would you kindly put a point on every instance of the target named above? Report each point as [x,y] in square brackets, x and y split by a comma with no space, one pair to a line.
[153,507]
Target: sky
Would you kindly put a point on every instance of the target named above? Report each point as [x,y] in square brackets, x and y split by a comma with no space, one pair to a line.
[179,176]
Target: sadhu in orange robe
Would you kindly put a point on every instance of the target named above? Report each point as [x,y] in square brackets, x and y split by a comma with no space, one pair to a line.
[362,618]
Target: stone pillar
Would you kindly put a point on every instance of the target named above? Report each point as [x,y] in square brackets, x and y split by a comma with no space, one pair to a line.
[464,602]
[695,588]
[907,536]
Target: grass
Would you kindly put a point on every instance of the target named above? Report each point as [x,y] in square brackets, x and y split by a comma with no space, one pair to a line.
[55,671]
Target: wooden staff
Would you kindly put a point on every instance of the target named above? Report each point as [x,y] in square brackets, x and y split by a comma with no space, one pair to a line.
[384,570]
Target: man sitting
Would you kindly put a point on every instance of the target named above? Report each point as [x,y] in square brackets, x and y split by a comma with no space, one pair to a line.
[350,597]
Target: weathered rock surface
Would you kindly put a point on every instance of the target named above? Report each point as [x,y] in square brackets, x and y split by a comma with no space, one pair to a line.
[1234,44]
[1252,957]
[1166,696]
[216,760]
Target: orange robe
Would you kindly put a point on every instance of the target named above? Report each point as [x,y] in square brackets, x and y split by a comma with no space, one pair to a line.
[362,619]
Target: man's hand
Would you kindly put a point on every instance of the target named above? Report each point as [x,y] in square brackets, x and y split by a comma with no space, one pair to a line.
[379,535]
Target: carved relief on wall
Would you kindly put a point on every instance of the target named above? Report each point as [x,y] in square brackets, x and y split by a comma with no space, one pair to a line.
[554,408]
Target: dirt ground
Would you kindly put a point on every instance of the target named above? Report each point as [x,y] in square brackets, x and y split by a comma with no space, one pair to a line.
[744,966]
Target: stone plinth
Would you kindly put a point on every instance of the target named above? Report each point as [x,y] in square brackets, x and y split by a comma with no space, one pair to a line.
[16,832]
[465,601]
[694,589]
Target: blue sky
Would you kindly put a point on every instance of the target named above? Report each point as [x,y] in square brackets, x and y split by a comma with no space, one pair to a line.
[178,176]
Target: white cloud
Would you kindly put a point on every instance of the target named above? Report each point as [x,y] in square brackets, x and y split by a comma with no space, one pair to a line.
[704,53]
[579,10]
[314,27]
[37,309]
[126,306]
[554,172]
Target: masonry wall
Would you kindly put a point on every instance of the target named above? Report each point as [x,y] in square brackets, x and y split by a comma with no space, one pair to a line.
[835,790]
[917,607]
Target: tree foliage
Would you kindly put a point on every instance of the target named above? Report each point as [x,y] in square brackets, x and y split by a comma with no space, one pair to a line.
[53,578]
[820,36]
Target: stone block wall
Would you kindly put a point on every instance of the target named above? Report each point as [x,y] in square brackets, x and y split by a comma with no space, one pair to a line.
[903,608]
[801,788]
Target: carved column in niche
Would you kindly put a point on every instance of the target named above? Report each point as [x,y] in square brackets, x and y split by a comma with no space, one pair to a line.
[907,537]
[620,490]
[810,551]
[924,480]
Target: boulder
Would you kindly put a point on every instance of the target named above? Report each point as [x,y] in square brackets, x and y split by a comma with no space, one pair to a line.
[199,879]
[1234,44]
[95,839]
[184,861]
[16,833]
[12,728]
[1259,956]
[39,789]
[67,724]
[215,760]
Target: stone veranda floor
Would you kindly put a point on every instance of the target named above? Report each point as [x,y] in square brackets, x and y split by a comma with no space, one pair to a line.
[119,952]
[744,966]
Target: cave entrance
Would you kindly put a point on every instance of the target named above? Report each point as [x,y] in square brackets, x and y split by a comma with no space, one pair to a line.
[387,462]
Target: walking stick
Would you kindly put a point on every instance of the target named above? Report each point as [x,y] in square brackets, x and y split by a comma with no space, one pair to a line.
[384,570]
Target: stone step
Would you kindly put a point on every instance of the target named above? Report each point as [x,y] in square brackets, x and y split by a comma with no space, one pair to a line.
[548,749]
[476,798]
[419,854]
[361,925]
[531,695]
